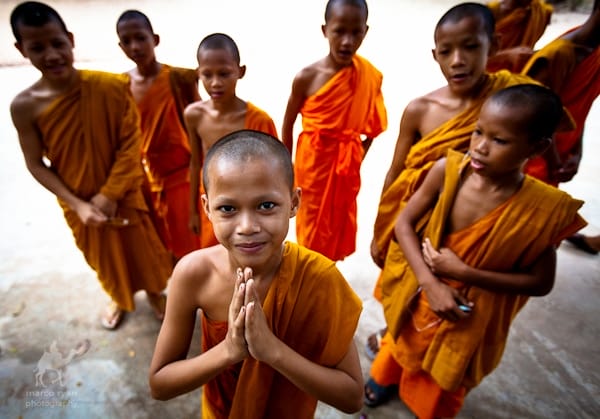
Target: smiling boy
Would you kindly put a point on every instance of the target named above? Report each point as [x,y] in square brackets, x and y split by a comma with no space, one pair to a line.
[278,320]
[85,124]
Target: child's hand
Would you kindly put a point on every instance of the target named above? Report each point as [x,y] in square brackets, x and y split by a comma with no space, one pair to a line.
[261,340]
[90,215]
[443,263]
[105,204]
[444,301]
[234,340]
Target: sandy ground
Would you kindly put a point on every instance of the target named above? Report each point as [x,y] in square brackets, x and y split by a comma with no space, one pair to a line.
[48,293]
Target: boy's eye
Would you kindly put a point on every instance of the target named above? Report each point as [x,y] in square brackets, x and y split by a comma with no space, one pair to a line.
[472,46]
[500,141]
[266,205]
[226,208]
[477,131]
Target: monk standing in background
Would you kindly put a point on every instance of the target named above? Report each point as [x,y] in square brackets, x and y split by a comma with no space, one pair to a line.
[85,123]
[340,100]
[440,120]
[519,25]
[569,65]
[223,113]
[162,92]
[475,241]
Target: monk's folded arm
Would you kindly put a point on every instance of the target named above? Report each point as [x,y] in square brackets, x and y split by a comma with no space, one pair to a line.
[538,281]
[340,386]
[126,171]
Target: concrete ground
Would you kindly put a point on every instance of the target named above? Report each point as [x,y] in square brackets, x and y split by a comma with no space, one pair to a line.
[50,300]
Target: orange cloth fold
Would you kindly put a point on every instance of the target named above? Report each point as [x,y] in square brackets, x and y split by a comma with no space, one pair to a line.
[92,139]
[577,84]
[329,155]
[454,134]
[509,238]
[524,26]
[258,120]
[313,310]
[166,155]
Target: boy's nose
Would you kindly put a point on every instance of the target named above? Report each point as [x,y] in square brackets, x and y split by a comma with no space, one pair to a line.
[457,57]
[247,224]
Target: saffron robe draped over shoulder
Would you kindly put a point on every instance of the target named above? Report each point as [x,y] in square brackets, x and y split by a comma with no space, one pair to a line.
[510,238]
[313,310]
[577,84]
[92,138]
[524,26]
[258,120]
[166,155]
[455,134]
[329,154]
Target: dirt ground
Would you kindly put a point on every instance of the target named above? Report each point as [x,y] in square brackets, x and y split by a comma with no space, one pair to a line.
[48,294]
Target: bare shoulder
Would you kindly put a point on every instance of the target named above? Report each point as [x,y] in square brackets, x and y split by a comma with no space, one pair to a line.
[195,110]
[202,277]
[26,106]
[312,77]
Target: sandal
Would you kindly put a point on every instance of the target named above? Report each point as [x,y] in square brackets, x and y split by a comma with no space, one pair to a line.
[376,395]
[158,302]
[112,317]
[374,343]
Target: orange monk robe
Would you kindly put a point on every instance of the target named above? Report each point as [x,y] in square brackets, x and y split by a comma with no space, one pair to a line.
[166,155]
[517,34]
[258,120]
[329,155]
[313,310]
[91,137]
[577,84]
[524,26]
[454,134]
[444,359]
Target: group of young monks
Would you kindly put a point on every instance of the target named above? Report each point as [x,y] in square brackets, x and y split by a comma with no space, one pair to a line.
[147,173]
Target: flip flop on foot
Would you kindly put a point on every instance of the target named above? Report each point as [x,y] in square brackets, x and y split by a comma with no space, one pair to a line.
[374,342]
[158,302]
[112,317]
[376,395]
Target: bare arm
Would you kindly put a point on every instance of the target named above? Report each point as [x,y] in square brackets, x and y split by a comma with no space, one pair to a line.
[171,374]
[32,148]
[340,386]
[192,116]
[408,134]
[442,298]
[537,281]
[295,102]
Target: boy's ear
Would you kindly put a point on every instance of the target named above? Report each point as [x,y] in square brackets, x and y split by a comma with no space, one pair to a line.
[71,38]
[296,195]
[204,199]
[156,39]
[324,30]
[433,54]
[242,71]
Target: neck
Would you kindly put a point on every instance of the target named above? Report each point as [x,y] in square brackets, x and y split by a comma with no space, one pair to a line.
[149,70]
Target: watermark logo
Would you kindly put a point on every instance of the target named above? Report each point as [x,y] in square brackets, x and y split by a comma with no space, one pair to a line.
[49,374]
[54,361]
